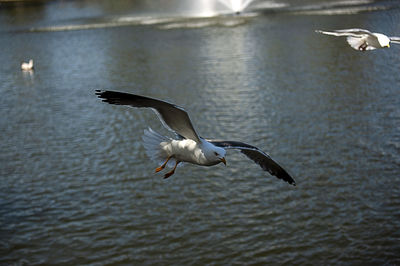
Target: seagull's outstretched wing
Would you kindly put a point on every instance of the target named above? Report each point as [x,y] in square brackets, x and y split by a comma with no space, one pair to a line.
[258,156]
[358,33]
[394,39]
[173,117]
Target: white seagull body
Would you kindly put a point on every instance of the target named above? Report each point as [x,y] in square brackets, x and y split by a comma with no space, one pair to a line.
[27,66]
[189,147]
[362,40]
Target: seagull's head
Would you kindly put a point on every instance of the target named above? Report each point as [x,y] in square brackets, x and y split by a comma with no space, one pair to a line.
[219,154]
[383,40]
[213,153]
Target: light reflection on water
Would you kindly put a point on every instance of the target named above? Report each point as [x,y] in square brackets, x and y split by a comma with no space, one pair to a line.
[77,187]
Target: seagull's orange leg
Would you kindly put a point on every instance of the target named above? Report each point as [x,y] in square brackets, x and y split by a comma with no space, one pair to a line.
[158,169]
[172,171]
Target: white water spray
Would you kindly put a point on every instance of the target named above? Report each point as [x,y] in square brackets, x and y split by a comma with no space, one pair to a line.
[236,6]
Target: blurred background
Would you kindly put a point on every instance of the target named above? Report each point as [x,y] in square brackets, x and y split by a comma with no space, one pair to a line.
[77,188]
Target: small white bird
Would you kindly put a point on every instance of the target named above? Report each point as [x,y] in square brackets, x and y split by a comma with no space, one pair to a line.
[27,66]
[362,40]
[189,147]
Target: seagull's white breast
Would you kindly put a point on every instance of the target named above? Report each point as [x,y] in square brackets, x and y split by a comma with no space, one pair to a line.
[188,150]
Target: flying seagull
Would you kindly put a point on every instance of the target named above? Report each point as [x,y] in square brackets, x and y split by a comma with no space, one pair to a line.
[360,39]
[189,146]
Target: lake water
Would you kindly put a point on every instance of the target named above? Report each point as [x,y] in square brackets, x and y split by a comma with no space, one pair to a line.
[77,188]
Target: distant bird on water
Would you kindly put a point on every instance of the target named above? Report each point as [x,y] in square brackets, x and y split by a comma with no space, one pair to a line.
[362,40]
[189,146]
[27,66]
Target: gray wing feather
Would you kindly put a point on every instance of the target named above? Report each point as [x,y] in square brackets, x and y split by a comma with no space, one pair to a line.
[258,156]
[358,33]
[394,39]
[172,116]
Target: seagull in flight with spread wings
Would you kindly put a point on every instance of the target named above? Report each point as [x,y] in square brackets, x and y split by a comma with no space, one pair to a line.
[189,146]
[362,40]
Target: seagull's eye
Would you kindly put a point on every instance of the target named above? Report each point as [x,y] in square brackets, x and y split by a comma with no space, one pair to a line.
[215,153]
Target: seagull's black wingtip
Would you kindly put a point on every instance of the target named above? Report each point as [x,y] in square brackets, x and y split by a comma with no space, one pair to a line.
[290,181]
[103,96]
[285,176]
[98,92]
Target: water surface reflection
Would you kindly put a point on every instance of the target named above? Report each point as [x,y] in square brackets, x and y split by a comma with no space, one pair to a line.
[77,187]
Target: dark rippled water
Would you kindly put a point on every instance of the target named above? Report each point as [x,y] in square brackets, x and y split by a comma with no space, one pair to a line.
[77,188]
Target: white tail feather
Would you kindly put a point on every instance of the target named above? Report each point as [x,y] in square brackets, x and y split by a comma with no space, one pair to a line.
[154,143]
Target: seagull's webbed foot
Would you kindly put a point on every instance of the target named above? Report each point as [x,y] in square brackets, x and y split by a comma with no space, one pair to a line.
[158,169]
[168,174]
[172,171]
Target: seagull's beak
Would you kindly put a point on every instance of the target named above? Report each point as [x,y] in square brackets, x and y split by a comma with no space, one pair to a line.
[223,160]
[388,46]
